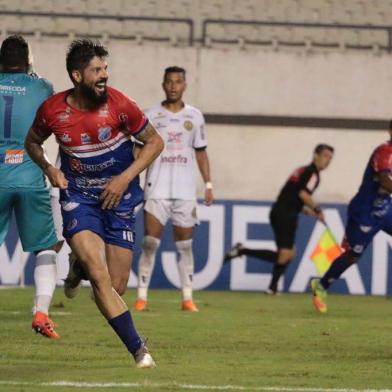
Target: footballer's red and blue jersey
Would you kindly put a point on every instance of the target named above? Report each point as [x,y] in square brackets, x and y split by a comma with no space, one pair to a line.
[95,145]
[373,202]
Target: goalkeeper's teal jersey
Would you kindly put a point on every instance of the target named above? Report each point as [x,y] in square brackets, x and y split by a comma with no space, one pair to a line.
[20,97]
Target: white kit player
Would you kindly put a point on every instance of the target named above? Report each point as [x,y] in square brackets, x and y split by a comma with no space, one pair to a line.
[170,187]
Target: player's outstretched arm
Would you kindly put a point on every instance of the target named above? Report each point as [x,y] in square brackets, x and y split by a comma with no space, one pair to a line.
[33,144]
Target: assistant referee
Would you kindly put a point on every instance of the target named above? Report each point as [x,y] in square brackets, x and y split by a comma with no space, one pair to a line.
[294,197]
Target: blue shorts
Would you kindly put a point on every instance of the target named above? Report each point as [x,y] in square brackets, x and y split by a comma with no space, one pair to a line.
[114,227]
[33,215]
[359,234]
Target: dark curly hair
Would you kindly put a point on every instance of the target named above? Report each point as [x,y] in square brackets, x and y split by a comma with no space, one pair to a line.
[173,69]
[14,52]
[80,53]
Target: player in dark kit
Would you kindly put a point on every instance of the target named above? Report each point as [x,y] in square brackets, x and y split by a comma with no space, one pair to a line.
[368,212]
[295,197]
[98,179]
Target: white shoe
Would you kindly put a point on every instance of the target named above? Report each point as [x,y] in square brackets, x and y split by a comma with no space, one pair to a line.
[143,358]
[73,281]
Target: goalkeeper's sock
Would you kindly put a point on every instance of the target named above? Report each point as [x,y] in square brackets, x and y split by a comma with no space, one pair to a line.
[125,329]
[335,271]
[263,254]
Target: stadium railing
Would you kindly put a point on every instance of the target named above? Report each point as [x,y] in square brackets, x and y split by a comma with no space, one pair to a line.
[120,18]
[207,38]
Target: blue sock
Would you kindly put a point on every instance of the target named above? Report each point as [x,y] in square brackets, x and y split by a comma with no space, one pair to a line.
[124,328]
[335,270]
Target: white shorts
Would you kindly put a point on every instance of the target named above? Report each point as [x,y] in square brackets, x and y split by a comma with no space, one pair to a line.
[182,213]
[57,218]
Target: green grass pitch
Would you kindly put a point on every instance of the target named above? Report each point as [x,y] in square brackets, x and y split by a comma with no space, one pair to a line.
[238,341]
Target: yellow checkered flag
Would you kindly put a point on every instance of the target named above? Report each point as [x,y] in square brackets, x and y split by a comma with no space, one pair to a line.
[325,252]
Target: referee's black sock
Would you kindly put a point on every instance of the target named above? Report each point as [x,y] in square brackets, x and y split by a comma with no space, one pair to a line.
[264,254]
[276,274]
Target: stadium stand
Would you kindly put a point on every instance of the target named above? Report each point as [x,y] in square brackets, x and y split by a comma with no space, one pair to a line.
[304,24]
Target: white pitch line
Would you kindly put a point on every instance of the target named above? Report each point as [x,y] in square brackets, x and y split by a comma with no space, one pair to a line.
[180,386]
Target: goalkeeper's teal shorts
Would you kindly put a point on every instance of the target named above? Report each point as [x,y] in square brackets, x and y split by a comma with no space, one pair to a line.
[33,215]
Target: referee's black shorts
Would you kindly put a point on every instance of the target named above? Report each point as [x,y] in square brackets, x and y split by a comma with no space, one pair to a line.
[284,225]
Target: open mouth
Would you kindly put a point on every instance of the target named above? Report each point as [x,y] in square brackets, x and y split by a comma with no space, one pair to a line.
[100,87]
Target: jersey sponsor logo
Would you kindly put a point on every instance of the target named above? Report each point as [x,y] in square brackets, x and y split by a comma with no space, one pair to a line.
[64,116]
[358,248]
[365,229]
[159,125]
[85,138]
[158,116]
[104,134]
[12,89]
[127,196]
[174,137]
[174,159]
[123,117]
[80,167]
[69,206]
[125,215]
[71,225]
[13,157]
[104,111]
[65,138]
[188,125]
[83,182]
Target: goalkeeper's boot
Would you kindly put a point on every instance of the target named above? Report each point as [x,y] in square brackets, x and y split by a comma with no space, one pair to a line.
[189,306]
[140,304]
[143,358]
[233,252]
[319,295]
[73,281]
[44,325]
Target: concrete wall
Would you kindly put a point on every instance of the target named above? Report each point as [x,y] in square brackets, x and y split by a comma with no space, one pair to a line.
[333,84]
[253,162]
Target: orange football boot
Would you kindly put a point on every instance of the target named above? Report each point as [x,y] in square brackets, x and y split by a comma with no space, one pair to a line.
[44,325]
[140,304]
[189,306]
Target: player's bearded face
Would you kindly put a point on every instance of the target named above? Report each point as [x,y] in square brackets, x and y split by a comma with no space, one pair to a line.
[96,92]
[93,84]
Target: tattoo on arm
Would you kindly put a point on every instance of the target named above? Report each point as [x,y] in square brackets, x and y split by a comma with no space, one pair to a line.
[33,145]
[147,132]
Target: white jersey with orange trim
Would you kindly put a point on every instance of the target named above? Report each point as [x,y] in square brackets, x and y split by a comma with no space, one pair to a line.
[172,175]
